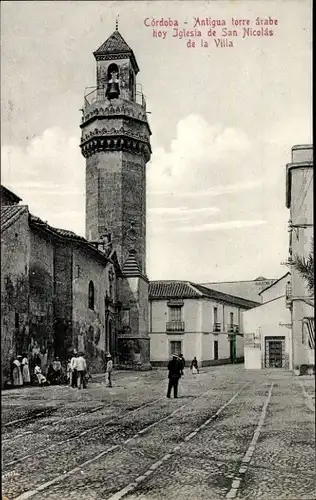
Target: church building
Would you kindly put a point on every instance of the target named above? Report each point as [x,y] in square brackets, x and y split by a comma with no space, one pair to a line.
[60,291]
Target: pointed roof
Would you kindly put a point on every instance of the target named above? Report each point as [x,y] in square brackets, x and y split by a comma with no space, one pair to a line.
[116,45]
[131,267]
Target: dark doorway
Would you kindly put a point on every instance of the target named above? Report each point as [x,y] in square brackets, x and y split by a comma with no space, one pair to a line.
[215,349]
[274,354]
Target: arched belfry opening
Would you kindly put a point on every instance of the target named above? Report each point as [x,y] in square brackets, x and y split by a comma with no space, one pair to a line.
[113,85]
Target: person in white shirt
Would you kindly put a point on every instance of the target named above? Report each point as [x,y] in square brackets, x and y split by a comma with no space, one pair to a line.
[38,372]
[81,366]
[108,370]
[73,365]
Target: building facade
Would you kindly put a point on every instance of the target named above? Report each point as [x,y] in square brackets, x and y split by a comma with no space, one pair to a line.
[191,319]
[61,291]
[299,200]
[58,291]
[267,329]
[116,145]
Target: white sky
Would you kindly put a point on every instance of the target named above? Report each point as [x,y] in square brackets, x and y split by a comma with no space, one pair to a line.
[223,122]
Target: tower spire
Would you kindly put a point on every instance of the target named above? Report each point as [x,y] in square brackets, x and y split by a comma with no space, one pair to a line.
[117,22]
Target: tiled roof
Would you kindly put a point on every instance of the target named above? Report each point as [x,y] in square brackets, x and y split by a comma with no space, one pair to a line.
[172,290]
[64,233]
[225,297]
[10,214]
[131,267]
[189,290]
[9,194]
[115,43]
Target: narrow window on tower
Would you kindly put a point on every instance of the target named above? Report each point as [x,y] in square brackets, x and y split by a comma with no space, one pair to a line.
[91,295]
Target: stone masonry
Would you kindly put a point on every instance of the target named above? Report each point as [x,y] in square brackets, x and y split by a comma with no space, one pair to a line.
[115,143]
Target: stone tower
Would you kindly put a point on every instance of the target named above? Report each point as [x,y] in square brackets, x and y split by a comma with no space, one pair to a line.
[115,142]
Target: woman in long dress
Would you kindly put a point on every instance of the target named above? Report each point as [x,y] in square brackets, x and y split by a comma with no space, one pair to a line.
[16,373]
[26,370]
[194,366]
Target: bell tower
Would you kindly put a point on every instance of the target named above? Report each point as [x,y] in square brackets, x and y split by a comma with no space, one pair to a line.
[115,142]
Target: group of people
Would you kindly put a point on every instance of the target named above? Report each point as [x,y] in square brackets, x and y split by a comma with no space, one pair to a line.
[20,373]
[176,371]
[24,372]
[77,372]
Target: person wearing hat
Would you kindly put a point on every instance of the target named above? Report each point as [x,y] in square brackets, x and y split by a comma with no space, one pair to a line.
[174,368]
[108,370]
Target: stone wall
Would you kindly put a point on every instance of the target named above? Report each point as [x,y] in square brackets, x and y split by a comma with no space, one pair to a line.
[41,312]
[15,257]
[63,270]
[134,341]
[90,334]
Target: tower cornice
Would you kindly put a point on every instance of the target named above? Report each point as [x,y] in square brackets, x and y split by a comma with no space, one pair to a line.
[99,143]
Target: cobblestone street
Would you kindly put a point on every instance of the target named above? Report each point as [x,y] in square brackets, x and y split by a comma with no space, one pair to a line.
[230,434]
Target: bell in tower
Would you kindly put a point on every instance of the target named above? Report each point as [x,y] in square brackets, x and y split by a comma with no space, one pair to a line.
[116,145]
[113,87]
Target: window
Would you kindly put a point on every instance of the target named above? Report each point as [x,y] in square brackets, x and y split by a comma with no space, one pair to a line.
[215,349]
[175,347]
[215,311]
[175,313]
[231,319]
[91,295]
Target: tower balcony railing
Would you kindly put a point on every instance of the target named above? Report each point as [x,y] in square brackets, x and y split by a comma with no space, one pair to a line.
[175,326]
[217,327]
[94,95]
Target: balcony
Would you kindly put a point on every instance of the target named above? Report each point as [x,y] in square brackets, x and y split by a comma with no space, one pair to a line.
[98,95]
[175,326]
[233,328]
[217,327]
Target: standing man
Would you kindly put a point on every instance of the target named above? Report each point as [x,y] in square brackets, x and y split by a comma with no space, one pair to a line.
[174,368]
[182,362]
[108,370]
[73,365]
[81,369]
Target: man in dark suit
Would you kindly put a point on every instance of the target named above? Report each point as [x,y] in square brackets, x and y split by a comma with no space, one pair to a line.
[174,368]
